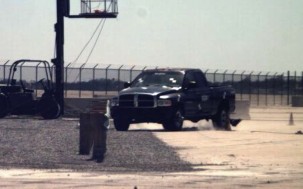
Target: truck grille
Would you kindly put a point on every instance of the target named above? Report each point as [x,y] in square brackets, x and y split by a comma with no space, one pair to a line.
[138,100]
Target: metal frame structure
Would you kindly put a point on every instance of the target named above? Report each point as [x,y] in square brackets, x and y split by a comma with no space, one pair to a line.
[94,9]
[63,10]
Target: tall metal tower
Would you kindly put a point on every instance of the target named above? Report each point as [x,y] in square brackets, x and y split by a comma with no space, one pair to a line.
[88,9]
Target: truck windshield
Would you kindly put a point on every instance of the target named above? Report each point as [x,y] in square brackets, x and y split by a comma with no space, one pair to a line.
[165,79]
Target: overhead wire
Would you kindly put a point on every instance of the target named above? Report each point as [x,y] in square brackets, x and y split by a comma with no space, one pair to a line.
[101,23]
[93,48]
[87,43]
[84,48]
[101,29]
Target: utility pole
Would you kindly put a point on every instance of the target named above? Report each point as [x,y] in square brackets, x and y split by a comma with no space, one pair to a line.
[59,59]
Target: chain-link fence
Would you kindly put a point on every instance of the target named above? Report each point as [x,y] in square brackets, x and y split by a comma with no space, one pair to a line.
[84,81]
[261,88]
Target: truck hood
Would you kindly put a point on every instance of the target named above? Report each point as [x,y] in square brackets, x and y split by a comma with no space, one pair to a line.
[152,90]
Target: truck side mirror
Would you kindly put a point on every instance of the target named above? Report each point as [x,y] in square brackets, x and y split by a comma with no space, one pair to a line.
[126,84]
[190,85]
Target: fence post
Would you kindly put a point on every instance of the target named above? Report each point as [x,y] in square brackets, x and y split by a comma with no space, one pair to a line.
[4,70]
[224,73]
[282,88]
[94,77]
[233,77]
[288,87]
[36,92]
[80,79]
[250,86]
[295,84]
[119,69]
[266,89]
[215,75]
[274,87]
[258,95]
[205,73]
[106,70]
[242,84]
[131,73]
[66,69]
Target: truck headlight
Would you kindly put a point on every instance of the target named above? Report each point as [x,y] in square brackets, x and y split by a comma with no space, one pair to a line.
[164,102]
[114,102]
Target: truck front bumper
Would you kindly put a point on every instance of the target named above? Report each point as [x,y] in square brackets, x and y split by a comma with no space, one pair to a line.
[141,115]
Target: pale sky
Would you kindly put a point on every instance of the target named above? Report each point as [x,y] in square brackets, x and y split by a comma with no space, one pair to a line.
[253,35]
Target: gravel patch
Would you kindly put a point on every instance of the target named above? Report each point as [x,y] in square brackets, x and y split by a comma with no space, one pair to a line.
[54,144]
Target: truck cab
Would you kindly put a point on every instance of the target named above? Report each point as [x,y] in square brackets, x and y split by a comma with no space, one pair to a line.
[170,96]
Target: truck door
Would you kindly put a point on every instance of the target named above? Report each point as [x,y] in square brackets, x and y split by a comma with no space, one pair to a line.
[204,94]
[192,96]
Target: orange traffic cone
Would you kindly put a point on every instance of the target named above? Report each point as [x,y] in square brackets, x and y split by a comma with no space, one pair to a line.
[291,119]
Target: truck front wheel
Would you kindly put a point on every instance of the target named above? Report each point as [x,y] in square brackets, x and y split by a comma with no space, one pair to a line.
[222,120]
[175,123]
[121,125]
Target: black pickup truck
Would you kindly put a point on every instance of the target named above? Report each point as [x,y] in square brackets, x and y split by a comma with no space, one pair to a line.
[170,96]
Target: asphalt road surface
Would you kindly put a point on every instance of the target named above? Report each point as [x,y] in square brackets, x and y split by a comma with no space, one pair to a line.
[264,152]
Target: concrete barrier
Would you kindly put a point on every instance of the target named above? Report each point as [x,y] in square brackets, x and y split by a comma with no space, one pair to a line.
[86,137]
[98,122]
[93,134]
[73,107]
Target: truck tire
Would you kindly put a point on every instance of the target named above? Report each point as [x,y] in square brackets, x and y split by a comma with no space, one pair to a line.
[175,123]
[222,120]
[4,105]
[235,122]
[121,125]
[48,107]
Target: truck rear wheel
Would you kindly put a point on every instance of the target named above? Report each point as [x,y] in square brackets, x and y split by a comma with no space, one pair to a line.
[121,125]
[222,120]
[175,123]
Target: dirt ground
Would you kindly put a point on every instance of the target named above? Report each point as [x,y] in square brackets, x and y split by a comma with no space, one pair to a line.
[264,152]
